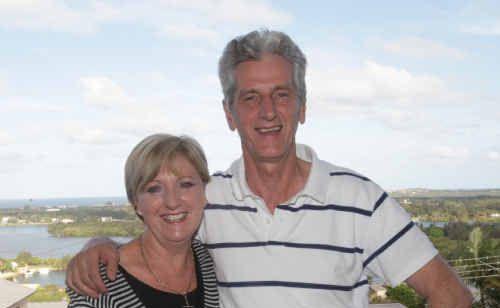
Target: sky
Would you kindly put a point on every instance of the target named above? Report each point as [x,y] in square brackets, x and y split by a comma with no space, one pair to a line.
[406,94]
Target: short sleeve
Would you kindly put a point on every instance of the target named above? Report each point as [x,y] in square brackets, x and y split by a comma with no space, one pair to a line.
[394,246]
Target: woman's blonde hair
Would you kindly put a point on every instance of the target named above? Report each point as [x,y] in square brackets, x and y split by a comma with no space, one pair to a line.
[153,152]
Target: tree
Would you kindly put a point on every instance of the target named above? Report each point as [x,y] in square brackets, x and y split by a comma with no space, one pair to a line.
[24,257]
[406,296]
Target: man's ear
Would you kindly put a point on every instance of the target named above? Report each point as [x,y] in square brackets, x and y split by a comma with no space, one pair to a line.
[229,115]
[302,113]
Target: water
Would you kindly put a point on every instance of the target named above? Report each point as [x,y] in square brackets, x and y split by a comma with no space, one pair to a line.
[54,277]
[427,224]
[38,241]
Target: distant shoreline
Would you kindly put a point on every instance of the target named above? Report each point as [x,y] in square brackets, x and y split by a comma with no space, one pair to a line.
[62,202]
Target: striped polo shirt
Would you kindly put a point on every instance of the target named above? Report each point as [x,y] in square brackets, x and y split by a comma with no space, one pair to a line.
[317,249]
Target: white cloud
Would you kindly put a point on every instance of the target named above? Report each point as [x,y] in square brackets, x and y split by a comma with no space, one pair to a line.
[248,12]
[451,153]
[189,31]
[3,85]
[79,133]
[485,28]
[102,91]
[375,83]
[480,17]
[5,138]
[494,155]
[30,105]
[422,48]
[11,161]
[51,15]
[160,15]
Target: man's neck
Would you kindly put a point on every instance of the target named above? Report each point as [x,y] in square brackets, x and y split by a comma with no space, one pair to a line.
[276,181]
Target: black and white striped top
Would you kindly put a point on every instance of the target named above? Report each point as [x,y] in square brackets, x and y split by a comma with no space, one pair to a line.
[121,294]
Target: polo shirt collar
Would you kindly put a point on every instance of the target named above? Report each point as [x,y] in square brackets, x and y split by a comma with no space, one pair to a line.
[315,188]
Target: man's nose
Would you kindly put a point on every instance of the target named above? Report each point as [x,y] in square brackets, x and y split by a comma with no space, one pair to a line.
[267,108]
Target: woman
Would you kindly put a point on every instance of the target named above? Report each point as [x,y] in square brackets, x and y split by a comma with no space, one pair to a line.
[165,178]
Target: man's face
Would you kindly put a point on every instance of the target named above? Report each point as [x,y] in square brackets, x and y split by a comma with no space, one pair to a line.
[265,109]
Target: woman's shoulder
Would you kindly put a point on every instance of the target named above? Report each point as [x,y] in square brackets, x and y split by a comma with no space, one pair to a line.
[115,287]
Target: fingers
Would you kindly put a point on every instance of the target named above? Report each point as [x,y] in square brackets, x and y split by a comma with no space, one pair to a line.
[111,259]
[77,279]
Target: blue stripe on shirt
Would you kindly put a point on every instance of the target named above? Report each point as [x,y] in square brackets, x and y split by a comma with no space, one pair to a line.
[284,244]
[291,284]
[333,207]
[350,174]
[212,206]
[388,243]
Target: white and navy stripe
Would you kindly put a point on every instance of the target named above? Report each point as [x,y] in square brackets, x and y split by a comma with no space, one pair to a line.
[316,249]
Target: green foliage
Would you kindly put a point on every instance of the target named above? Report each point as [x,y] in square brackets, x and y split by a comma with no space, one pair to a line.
[454,209]
[89,229]
[434,231]
[48,293]
[406,296]
[457,230]
[5,265]
[24,258]
[475,238]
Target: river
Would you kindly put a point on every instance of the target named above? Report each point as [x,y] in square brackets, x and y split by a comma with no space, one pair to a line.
[38,241]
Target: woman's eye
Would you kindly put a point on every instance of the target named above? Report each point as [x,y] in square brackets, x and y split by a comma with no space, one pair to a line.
[153,189]
[187,184]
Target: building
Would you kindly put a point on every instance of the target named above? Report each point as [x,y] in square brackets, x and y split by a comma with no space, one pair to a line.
[52,210]
[14,295]
[106,219]
[378,290]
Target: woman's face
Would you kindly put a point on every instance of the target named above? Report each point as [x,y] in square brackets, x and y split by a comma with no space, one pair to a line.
[172,203]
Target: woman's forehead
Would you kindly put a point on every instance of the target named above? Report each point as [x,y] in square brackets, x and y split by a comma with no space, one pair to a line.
[178,166]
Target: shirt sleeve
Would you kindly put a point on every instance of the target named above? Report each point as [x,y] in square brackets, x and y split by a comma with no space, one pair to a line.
[79,301]
[394,246]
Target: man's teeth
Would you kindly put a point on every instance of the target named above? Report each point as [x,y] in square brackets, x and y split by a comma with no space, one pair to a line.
[176,217]
[271,129]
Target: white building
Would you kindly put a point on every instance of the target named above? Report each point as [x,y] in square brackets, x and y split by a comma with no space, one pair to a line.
[106,219]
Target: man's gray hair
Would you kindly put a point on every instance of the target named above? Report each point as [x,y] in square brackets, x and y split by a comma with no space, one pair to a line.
[252,46]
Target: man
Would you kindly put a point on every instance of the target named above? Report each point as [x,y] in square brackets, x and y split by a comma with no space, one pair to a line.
[285,228]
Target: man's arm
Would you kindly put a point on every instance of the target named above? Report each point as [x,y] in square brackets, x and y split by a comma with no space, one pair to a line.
[440,285]
[82,274]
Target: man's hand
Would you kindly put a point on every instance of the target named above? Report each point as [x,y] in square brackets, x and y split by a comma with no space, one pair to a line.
[440,285]
[82,274]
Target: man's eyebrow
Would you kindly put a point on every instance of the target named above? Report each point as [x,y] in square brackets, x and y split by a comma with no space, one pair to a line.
[247,91]
[282,87]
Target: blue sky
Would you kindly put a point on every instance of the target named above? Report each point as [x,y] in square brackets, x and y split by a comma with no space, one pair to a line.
[406,94]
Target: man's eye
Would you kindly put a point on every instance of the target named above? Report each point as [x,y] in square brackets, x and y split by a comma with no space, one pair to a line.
[282,96]
[250,98]
[153,189]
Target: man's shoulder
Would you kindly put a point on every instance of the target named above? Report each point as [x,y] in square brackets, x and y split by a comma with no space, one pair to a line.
[348,187]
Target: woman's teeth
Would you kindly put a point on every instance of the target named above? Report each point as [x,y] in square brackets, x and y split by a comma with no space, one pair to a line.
[175,218]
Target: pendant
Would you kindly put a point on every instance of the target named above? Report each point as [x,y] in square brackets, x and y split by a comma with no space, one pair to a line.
[187,303]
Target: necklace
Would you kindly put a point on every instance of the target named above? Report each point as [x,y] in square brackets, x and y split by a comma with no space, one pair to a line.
[160,282]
